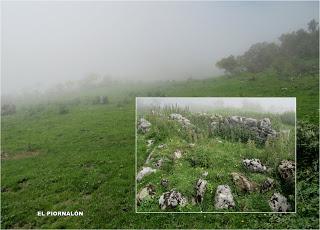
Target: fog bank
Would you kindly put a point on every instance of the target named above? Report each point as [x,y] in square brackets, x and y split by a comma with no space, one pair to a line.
[45,43]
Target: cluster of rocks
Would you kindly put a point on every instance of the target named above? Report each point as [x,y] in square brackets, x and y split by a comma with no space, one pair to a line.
[223,195]
[144,125]
[277,202]
[262,128]
[173,198]
[181,119]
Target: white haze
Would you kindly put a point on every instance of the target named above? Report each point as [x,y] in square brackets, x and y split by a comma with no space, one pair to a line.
[204,104]
[45,43]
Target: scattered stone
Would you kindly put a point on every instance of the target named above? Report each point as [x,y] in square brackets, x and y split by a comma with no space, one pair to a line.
[162,146]
[201,187]
[164,183]
[224,198]
[205,174]
[143,125]
[159,163]
[149,143]
[254,165]
[144,172]
[171,200]
[181,119]
[267,185]
[279,203]
[149,158]
[146,193]
[286,170]
[177,154]
[191,145]
[175,116]
[243,183]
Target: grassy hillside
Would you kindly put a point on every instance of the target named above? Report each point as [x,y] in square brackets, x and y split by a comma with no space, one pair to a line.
[215,153]
[69,154]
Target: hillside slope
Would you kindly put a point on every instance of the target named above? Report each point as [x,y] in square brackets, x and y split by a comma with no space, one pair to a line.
[82,158]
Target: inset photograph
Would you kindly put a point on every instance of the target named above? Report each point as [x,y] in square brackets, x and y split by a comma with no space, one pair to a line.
[208,154]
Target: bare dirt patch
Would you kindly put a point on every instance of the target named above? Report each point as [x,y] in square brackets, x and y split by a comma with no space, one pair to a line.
[18,156]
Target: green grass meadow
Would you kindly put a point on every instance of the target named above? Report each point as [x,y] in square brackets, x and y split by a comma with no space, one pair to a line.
[67,153]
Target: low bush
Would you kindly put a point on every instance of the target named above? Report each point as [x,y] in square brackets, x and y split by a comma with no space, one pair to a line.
[307,142]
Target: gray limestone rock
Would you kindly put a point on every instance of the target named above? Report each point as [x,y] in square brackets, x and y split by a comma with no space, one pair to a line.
[224,198]
[279,203]
[201,187]
[171,200]
[144,172]
[254,165]
[144,125]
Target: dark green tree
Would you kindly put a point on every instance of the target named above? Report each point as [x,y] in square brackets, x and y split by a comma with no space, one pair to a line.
[229,64]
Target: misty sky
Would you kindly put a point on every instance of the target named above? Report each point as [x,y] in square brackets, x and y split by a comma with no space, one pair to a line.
[45,43]
[271,104]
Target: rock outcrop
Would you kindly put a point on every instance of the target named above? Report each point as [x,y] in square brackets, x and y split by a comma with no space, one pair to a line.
[261,128]
[171,200]
[286,170]
[146,193]
[224,198]
[143,125]
[242,183]
[181,119]
[201,187]
[144,172]
[279,203]
[254,165]
[267,185]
